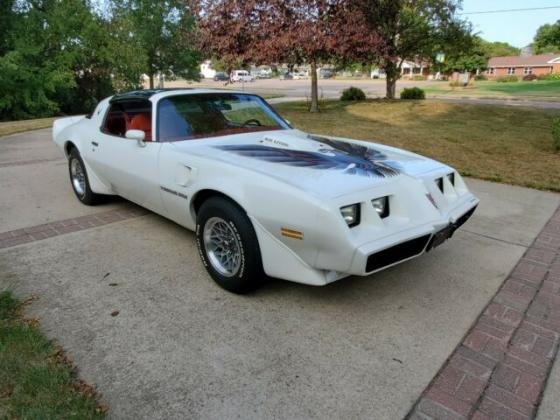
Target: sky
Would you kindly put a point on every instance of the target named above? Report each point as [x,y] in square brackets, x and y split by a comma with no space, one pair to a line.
[516,28]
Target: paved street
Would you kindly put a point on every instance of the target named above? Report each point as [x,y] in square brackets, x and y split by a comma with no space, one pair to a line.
[328,88]
[180,347]
[299,90]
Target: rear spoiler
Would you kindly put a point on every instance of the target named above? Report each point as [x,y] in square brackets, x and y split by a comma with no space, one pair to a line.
[61,123]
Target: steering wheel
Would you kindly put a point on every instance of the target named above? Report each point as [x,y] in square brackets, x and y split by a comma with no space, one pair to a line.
[252,121]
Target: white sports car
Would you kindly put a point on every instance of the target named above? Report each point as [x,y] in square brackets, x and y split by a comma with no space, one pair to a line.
[263,197]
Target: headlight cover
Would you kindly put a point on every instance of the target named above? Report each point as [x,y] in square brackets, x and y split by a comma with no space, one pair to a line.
[381,206]
[351,214]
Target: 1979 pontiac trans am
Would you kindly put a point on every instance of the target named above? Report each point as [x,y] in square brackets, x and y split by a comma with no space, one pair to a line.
[262,197]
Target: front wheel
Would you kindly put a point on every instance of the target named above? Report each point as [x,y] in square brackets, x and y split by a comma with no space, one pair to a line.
[80,181]
[228,246]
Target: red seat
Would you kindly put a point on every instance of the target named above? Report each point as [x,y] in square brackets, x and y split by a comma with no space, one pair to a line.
[142,121]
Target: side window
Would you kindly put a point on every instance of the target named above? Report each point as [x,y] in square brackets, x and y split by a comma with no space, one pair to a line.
[129,115]
[115,121]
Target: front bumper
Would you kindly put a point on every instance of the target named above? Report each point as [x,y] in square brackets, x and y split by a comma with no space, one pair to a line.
[422,216]
[376,255]
[413,247]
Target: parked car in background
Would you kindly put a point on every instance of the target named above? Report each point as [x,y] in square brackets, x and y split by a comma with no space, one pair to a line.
[262,197]
[326,74]
[221,77]
[264,74]
[241,76]
[300,75]
[357,74]
[287,76]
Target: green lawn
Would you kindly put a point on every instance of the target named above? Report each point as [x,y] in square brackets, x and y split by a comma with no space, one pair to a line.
[12,127]
[498,143]
[36,381]
[538,90]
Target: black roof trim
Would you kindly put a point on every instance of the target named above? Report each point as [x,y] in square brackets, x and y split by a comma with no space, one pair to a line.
[142,94]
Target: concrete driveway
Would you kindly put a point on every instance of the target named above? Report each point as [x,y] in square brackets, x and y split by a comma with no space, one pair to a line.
[180,347]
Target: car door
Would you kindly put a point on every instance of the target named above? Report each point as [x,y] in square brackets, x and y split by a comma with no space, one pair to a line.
[130,167]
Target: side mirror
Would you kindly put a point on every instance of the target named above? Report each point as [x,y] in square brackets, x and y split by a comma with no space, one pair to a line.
[137,135]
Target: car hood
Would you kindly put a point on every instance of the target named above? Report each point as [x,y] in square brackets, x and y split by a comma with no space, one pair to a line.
[324,165]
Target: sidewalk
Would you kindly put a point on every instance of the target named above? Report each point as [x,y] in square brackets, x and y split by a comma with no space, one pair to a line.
[500,368]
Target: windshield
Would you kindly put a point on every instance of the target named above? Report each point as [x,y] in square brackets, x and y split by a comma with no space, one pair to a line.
[185,117]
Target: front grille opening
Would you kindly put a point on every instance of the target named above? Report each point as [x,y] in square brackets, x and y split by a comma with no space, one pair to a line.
[461,220]
[396,253]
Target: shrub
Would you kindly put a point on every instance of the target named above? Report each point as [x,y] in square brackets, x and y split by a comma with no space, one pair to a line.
[480,77]
[556,134]
[455,84]
[413,93]
[353,94]
[507,79]
[550,76]
[419,78]
[530,78]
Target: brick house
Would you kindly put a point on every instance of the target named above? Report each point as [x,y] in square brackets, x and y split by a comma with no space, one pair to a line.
[521,66]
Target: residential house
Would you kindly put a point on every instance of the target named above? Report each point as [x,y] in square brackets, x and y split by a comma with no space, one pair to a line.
[412,69]
[521,66]
[409,70]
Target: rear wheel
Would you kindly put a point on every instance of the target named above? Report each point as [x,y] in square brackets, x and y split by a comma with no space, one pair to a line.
[80,181]
[228,246]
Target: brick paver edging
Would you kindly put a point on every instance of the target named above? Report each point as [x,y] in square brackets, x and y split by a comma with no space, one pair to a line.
[48,230]
[500,368]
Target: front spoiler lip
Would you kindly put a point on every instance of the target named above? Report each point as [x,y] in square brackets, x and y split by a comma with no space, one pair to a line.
[360,258]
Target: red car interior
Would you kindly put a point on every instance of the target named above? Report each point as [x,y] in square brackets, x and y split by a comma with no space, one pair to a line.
[118,122]
[141,121]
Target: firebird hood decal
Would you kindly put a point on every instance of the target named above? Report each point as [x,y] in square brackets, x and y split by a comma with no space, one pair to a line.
[348,157]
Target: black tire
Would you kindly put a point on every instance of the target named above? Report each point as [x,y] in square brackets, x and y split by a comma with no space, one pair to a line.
[87,196]
[250,274]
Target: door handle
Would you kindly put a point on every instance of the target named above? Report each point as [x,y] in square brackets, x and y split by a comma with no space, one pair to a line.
[94,143]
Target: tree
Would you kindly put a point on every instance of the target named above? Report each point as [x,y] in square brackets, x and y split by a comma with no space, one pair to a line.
[499,49]
[44,59]
[412,30]
[294,31]
[322,31]
[230,31]
[59,56]
[472,54]
[471,57]
[8,17]
[163,33]
[547,38]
